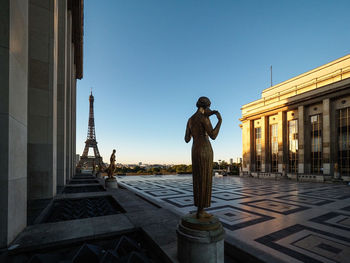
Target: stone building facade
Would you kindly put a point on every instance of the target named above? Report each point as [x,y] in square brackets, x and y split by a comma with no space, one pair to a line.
[300,128]
[41,53]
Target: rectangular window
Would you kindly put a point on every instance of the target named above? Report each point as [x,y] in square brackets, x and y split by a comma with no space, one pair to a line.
[344,141]
[258,149]
[274,147]
[293,146]
[316,144]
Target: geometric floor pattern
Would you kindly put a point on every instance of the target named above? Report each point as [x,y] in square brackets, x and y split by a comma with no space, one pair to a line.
[83,189]
[78,208]
[276,220]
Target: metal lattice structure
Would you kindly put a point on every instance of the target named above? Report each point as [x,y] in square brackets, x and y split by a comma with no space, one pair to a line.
[91,142]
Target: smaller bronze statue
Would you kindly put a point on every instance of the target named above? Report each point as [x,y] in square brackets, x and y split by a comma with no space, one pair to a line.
[93,167]
[100,168]
[336,167]
[111,168]
[199,128]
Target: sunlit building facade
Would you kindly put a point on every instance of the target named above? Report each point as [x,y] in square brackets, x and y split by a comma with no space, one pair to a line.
[300,128]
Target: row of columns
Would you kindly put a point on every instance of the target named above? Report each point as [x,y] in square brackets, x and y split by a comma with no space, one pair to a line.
[304,141]
[37,106]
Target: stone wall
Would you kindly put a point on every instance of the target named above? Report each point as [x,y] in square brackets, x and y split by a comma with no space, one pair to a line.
[37,103]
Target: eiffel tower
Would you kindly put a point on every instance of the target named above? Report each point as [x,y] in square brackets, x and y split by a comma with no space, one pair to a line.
[91,142]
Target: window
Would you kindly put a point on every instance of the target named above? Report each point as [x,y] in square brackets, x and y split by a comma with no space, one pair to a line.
[258,149]
[293,146]
[274,147]
[316,144]
[344,141]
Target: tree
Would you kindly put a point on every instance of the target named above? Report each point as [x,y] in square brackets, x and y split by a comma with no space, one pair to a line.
[137,168]
[155,170]
[189,169]
[223,165]
[171,169]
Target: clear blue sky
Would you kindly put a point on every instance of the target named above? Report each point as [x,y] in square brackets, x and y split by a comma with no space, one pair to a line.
[149,61]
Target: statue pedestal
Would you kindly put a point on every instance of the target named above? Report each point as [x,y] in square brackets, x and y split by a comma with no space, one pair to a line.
[111,183]
[336,175]
[200,240]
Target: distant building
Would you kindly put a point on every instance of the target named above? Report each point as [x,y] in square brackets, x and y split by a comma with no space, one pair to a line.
[301,127]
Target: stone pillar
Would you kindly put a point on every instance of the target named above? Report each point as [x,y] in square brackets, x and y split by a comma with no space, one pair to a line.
[301,148]
[13,118]
[264,144]
[326,136]
[246,146]
[68,96]
[307,140]
[73,82]
[282,141]
[74,104]
[334,147]
[61,93]
[251,146]
[74,110]
[42,99]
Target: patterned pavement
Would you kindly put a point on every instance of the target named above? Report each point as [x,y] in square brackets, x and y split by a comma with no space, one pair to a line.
[286,221]
[79,208]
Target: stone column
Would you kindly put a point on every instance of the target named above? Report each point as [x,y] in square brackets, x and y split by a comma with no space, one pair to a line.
[73,121]
[334,147]
[251,146]
[74,110]
[326,136]
[282,141]
[307,141]
[73,81]
[246,131]
[301,156]
[13,118]
[68,96]
[42,99]
[264,144]
[61,93]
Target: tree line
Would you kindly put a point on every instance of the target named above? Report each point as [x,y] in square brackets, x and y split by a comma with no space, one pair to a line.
[176,169]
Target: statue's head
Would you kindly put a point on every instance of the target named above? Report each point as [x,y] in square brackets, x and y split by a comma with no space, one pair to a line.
[203,102]
[114,150]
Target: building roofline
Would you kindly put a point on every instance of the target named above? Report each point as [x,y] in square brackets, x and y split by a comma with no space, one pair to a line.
[331,72]
[342,87]
[307,73]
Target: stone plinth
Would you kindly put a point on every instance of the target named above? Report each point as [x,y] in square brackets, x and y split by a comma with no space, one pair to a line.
[111,183]
[200,240]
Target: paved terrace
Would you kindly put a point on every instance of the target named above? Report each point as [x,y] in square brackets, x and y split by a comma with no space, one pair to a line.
[84,212]
[276,221]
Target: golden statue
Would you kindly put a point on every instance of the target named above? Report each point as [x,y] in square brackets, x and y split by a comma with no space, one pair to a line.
[111,167]
[199,127]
